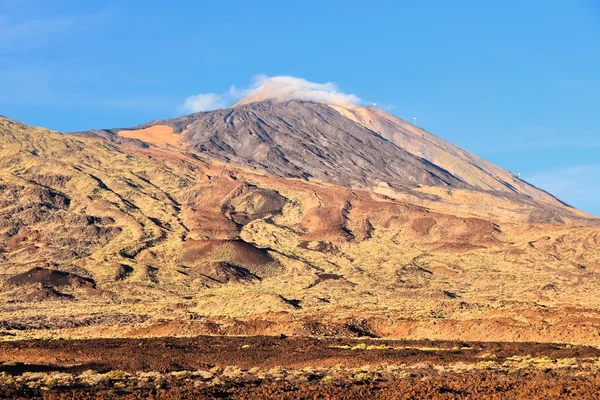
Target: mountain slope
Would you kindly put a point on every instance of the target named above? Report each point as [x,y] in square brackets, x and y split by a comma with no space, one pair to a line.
[303,140]
[468,167]
[346,145]
[99,237]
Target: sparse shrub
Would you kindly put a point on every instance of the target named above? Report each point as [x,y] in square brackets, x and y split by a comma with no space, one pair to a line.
[33,384]
[362,377]
[514,371]
[379,347]
[58,379]
[419,348]
[516,358]
[151,376]
[181,374]
[34,376]
[440,368]
[277,370]
[232,372]
[206,375]
[51,382]
[403,375]
[360,346]
[216,370]
[10,363]
[567,362]
[6,378]
[117,375]
[216,382]
[329,380]
[92,378]
[429,349]
[299,376]
[486,365]
[542,360]
[277,373]
[254,370]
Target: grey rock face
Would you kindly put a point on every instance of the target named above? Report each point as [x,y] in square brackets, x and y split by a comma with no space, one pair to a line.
[306,140]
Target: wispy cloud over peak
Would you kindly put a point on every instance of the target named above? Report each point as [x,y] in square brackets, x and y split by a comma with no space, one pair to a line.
[283,88]
[277,88]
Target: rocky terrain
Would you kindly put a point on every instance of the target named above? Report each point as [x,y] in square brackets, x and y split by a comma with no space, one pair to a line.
[293,218]
[294,368]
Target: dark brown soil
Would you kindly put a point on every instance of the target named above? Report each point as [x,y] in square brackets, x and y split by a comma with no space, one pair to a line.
[236,252]
[478,385]
[221,272]
[202,353]
[176,354]
[46,293]
[50,277]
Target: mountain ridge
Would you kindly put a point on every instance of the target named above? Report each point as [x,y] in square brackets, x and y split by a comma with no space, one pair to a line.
[388,140]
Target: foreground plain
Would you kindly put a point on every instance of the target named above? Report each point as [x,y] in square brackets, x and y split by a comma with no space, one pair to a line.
[297,368]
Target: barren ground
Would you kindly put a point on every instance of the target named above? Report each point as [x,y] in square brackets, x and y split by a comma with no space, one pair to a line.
[298,368]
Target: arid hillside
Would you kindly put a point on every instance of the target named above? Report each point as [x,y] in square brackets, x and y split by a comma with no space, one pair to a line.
[231,223]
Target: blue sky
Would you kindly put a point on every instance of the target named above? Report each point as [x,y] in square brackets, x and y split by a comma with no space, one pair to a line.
[516,82]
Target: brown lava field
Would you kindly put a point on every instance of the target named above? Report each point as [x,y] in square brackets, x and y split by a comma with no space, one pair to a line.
[297,368]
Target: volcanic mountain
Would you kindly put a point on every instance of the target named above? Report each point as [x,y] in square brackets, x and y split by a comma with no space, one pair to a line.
[284,216]
[346,145]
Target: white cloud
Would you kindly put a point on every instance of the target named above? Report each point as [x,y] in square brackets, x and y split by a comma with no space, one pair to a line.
[577,185]
[204,102]
[283,88]
[278,88]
